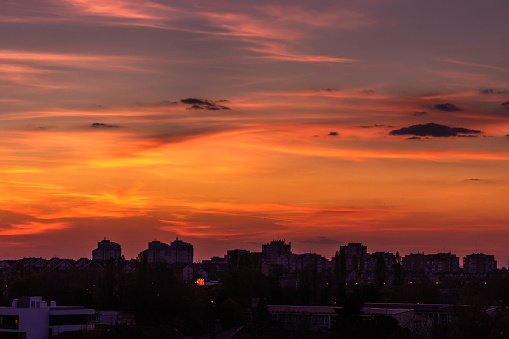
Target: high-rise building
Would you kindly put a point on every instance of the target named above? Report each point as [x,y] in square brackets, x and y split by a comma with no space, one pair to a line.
[478,263]
[442,263]
[158,252]
[389,259]
[356,256]
[105,250]
[275,251]
[181,252]
[178,252]
[414,262]
[431,263]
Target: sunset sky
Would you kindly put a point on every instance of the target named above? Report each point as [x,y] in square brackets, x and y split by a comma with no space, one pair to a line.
[229,124]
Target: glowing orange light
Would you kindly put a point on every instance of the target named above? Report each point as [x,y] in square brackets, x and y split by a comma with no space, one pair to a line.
[200,281]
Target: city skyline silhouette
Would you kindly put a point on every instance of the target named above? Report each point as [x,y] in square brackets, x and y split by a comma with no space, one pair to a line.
[227,124]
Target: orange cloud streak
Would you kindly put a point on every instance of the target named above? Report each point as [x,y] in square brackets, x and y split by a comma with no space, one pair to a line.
[33,228]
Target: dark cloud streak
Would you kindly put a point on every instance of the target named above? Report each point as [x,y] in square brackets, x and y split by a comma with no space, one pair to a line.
[199,104]
[493,91]
[436,130]
[102,125]
[447,107]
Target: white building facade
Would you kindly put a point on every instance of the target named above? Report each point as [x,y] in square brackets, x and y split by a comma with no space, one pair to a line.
[33,318]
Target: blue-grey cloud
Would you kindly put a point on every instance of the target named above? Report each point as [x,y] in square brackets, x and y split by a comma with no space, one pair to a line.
[493,91]
[199,104]
[102,125]
[435,130]
[447,107]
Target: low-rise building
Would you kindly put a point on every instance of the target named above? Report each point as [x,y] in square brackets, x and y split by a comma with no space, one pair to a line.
[33,318]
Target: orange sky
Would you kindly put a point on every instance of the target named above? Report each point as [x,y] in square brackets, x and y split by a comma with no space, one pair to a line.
[379,122]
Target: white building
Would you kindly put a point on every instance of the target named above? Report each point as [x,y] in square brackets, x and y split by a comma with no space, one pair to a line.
[33,318]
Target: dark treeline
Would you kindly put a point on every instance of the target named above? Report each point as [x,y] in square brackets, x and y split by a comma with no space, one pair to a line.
[165,305]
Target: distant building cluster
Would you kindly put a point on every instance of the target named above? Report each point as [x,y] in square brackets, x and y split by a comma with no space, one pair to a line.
[157,252]
[357,265]
[352,264]
[277,259]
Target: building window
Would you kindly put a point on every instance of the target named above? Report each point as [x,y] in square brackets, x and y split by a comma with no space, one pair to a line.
[9,322]
[13,335]
[70,319]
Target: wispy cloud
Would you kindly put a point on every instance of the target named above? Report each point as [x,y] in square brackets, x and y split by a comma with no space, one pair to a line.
[473,64]
[33,228]
[88,61]
[144,9]
[278,51]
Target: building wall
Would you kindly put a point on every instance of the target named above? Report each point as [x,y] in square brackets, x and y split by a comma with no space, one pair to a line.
[34,318]
[479,263]
[179,252]
[106,249]
[355,256]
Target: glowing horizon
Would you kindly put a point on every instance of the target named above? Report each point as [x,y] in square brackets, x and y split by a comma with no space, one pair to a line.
[232,124]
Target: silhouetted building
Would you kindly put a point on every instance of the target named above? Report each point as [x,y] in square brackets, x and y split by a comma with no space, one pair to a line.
[478,263]
[179,252]
[442,263]
[158,252]
[273,252]
[106,250]
[310,261]
[294,319]
[414,262]
[421,266]
[355,256]
[215,267]
[389,259]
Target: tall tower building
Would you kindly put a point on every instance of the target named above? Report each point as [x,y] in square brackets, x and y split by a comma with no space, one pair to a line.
[106,250]
[178,252]
[158,252]
[181,252]
[355,255]
[275,250]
